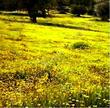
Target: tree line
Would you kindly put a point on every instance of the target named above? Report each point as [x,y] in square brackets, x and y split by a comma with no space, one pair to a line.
[42,7]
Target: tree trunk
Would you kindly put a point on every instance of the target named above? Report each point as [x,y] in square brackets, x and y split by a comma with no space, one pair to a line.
[33,19]
[33,15]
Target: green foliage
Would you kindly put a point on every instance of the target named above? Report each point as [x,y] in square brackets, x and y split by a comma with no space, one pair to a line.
[80,45]
[78,10]
[82,2]
[82,6]
[20,75]
[102,10]
[63,6]
[94,99]
[91,11]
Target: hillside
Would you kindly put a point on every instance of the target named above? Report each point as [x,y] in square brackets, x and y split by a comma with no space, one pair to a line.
[60,61]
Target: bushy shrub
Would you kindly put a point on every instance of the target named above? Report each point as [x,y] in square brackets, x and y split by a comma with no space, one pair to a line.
[102,10]
[20,75]
[90,11]
[80,45]
[63,9]
[78,10]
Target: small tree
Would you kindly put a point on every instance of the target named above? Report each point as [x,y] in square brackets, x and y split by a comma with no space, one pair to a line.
[102,10]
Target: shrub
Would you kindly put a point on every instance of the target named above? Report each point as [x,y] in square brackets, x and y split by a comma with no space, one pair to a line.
[80,45]
[90,11]
[102,10]
[20,75]
[78,10]
[63,9]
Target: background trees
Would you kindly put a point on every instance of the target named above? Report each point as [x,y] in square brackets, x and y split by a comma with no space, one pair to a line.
[82,6]
[78,10]
[34,7]
[102,10]
[40,8]
[63,6]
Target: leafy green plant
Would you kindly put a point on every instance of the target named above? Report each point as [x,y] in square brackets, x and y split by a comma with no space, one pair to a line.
[20,75]
[80,45]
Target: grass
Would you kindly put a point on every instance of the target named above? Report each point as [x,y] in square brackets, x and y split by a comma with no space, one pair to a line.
[41,66]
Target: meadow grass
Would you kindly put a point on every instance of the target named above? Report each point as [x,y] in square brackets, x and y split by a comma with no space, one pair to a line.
[47,64]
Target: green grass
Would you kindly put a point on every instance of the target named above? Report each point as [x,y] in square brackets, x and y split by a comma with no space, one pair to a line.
[41,66]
